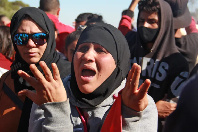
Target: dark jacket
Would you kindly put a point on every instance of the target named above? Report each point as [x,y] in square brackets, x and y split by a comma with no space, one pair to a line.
[163,65]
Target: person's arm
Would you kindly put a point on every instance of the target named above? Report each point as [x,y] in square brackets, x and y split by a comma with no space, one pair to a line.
[192,27]
[53,116]
[133,5]
[138,109]
[140,121]
[53,110]
[125,24]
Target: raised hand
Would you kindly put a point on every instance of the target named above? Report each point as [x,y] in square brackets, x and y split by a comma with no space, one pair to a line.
[48,89]
[132,96]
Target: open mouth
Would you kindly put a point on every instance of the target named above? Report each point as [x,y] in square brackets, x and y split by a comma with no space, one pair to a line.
[88,73]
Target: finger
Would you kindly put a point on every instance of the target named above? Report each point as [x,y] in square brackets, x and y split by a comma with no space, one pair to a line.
[30,94]
[173,105]
[37,74]
[56,74]
[128,81]
[135,78]
[46,70]
[144,88]
[129,78]
[31,80]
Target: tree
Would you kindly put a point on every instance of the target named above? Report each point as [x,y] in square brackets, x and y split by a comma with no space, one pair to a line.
[9,8]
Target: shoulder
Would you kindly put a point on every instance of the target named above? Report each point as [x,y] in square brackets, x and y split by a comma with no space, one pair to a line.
[59,25]
[5,62]
[62,28]
[131,37]
[177,61]
[131,34]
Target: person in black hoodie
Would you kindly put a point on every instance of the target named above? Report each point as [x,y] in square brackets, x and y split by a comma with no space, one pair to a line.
[33,37]
[153,47]
[187,43]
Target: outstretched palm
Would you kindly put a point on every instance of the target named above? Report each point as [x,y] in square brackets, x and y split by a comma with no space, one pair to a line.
[132,96]
[48,89]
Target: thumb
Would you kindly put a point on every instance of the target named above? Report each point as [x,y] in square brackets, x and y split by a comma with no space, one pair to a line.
[30,94]
[174,105]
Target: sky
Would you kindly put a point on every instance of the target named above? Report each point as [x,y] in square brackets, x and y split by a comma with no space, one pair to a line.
[110,9]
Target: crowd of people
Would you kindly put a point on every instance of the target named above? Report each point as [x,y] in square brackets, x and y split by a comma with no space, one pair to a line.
[95,77]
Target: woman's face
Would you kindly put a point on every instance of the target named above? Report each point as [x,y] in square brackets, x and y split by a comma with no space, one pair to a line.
[93,64]
[30,52]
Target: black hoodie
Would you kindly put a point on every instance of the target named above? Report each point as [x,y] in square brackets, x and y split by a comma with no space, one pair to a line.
[163,65]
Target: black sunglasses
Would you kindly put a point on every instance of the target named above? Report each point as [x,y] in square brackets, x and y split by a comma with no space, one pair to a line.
[37,38]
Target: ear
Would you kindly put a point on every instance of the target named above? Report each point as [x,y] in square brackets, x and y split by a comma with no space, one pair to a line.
[58,12]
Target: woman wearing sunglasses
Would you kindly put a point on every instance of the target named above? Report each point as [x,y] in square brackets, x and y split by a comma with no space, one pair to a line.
[33,39]
[99,67]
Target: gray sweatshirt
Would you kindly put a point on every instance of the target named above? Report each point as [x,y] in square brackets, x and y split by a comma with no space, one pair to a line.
[64,117]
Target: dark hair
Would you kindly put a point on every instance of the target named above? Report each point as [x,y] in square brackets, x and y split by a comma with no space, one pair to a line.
[149,6]
[72,37]
[49,5]
[1,16]
[82,17]
[6,46]
[94,18]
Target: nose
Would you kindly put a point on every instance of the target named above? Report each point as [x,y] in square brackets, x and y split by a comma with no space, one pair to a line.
[146,24]
[30,43]
[89,55]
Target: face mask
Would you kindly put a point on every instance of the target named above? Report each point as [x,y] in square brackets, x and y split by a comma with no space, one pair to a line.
[147,35]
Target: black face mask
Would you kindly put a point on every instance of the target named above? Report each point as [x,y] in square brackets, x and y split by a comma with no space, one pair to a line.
[147,35]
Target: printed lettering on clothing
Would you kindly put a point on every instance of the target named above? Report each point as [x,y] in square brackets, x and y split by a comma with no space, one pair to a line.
[158,71]
[176,86]
[151,68]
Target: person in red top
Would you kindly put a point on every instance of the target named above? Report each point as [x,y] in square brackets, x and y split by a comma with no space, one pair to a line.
[6,49]
[4,21]
[125,24]
[5,64]
[52,9]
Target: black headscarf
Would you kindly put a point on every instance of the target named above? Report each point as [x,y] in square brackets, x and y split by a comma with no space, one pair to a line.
[114,42]
[50,56]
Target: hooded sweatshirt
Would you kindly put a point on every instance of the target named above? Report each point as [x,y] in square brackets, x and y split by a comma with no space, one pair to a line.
[163,65]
